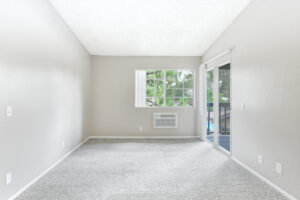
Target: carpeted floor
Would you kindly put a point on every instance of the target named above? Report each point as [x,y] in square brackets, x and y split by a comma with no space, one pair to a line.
[118,169]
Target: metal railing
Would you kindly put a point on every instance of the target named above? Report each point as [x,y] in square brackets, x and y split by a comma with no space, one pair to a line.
[224,118]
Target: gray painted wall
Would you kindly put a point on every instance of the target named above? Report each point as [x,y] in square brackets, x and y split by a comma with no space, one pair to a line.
[113,94]
[44,75]
[265,76]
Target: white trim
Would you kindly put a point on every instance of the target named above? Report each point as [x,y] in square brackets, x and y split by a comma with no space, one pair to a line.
[144,137]
[223,150]
[216,107]
[231,121]
[218,56]
[202,101]
[286,194]
[46,171]
[218,148]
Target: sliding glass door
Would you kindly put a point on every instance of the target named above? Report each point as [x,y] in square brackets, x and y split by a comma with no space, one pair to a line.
[224,106]
[218,106]
[210,105]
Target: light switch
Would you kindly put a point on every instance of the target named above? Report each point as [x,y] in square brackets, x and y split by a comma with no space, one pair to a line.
[8,178]
[260,159]
[242,107]
[9,111]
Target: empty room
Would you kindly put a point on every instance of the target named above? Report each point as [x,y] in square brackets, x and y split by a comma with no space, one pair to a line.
[149,99]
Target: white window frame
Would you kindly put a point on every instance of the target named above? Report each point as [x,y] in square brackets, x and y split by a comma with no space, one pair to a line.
[175,69]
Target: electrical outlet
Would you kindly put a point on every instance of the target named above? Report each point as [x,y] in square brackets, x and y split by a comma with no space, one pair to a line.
[9,111]
[260,159]
[63,144]
[8,178]
[141,128]
[278,168]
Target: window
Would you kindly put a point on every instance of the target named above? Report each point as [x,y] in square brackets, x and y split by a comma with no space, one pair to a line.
[164,88]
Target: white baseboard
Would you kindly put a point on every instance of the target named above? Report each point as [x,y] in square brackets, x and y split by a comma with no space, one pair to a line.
[286,194]
[145,137]
[46,171]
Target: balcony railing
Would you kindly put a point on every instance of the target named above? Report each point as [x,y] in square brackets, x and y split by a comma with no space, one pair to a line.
[224,124]
[224,118]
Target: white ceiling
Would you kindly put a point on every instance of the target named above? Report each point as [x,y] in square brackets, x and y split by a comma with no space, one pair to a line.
[148,27]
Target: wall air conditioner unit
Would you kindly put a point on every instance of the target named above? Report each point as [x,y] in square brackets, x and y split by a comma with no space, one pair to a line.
[164,120]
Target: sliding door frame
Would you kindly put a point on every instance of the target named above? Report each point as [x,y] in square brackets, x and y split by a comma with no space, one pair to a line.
[214,104]
[215,69]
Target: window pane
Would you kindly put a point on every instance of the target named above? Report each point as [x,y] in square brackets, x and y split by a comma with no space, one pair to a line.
[179,79]
[159,89]
[150,93]
[159,101]
[170,102]
[210,85]
[188,102]
[178,101]
[188,74]
[188,83]
[159,84]
[150,102]
[150,84]
[188,92]
[187,77]
[170,93]
[174,93]
[178,92]
[174,83]
[170,74]
[224,84]
[159,74]
[165,88]
[159,93]
[170,84]
[150,74]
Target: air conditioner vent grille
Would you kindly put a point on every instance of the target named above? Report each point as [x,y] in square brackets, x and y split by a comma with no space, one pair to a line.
[167,115]
[164,120]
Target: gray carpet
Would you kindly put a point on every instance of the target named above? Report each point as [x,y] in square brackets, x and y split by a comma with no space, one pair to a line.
[117,169]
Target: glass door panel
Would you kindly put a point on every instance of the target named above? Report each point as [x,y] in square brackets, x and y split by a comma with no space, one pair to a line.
[224,106]
[210,105]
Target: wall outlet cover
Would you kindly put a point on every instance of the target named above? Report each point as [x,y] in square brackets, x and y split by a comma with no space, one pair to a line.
[260,159]
[9,111]
[141,128]
[278,168]
[8,178]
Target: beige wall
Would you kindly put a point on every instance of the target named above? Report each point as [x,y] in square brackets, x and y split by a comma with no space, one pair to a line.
[265,77]
[112,101]
[44,73]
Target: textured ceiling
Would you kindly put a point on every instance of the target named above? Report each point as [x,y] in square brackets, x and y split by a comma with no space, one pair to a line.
[148,28]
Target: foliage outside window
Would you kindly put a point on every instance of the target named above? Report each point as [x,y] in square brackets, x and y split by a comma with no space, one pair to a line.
[166,88]
[224,85]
